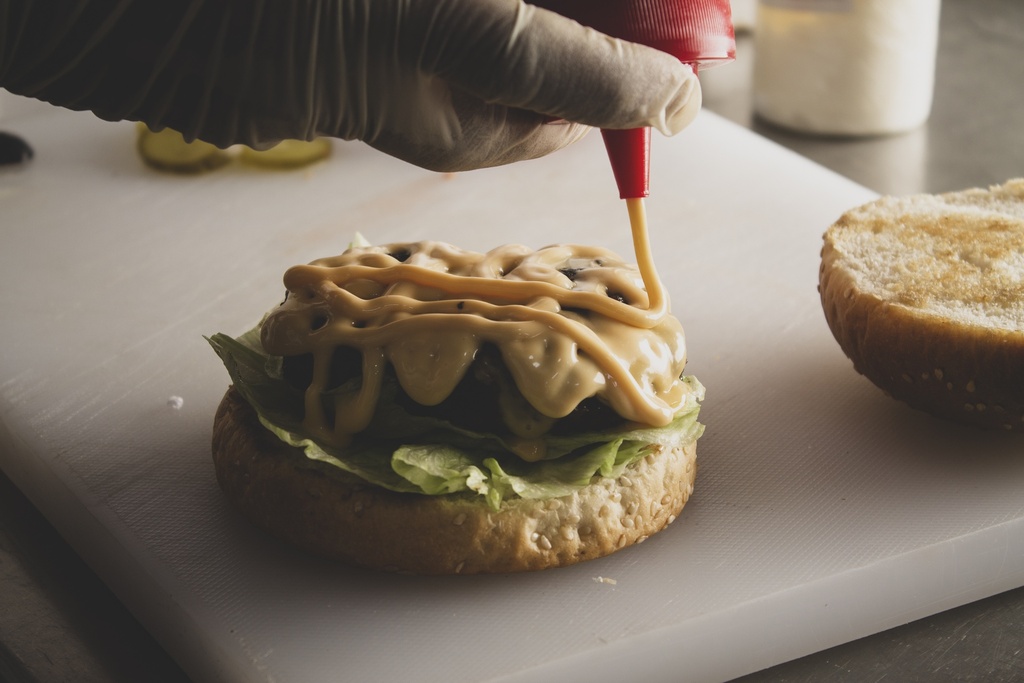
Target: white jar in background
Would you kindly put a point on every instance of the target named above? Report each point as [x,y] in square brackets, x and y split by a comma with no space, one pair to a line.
[845,67]
[744,14]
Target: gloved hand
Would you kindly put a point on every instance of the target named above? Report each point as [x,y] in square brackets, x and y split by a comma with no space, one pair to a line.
[444,84]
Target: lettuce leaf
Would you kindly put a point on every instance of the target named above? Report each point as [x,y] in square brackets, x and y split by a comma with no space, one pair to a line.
[410,453]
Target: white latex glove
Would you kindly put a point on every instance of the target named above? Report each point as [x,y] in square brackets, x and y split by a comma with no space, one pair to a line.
[444,84]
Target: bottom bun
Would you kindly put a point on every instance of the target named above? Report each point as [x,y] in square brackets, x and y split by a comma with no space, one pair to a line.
[326,511]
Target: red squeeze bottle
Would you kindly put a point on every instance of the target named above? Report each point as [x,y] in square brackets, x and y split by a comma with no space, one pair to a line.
[697,32]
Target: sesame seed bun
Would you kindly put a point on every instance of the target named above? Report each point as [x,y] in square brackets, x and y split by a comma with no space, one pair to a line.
[328,512]
[925,294]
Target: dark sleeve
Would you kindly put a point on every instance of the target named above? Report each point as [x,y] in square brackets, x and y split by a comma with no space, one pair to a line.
[225,71]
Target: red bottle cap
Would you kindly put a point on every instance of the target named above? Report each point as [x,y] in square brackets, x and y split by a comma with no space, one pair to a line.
[694,31]
[698,32]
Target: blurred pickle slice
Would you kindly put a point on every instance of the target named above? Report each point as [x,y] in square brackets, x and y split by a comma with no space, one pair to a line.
[288,153]
[167,150]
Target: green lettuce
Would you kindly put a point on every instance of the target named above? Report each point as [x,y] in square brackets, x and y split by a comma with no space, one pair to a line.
[410,453]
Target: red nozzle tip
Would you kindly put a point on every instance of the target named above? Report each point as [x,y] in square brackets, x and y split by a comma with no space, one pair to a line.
[697,32]
[630,154]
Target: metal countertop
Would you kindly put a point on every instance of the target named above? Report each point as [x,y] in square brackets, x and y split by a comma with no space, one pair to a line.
[58,622]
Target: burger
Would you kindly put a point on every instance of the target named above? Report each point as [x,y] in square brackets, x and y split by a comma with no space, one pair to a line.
[419,408]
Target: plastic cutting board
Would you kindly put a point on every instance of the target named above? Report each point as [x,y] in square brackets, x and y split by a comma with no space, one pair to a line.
[823,510]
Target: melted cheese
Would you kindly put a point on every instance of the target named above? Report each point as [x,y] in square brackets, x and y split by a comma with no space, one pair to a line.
[569,321]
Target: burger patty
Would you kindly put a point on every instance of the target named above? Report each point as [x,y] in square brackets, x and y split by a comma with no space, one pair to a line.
[474,403]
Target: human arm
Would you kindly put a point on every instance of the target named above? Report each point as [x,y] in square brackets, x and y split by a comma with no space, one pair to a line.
[444,84]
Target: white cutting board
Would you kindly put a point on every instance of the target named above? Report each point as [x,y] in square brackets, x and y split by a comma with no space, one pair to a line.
[823,511]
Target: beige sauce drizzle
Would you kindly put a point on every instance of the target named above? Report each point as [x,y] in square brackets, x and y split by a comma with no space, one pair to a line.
[553,314]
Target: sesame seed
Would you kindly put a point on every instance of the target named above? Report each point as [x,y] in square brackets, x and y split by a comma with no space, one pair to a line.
[671,518]
[621,542]
[625,481]
[357,507]
[459,566]
[970,387]
[459,519]
[938,373]
[628,522]
[666,499]
[632,508]
[573,519]
[907,378]
[925,375]
[554,504]
[980,407]
[603,512]
[544,543]
[534,536]
[949,385]
[566,532]
[615,497]
[969,407]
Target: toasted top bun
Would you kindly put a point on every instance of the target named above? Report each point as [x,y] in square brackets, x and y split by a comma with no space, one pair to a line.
[328,512]
[925,294]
